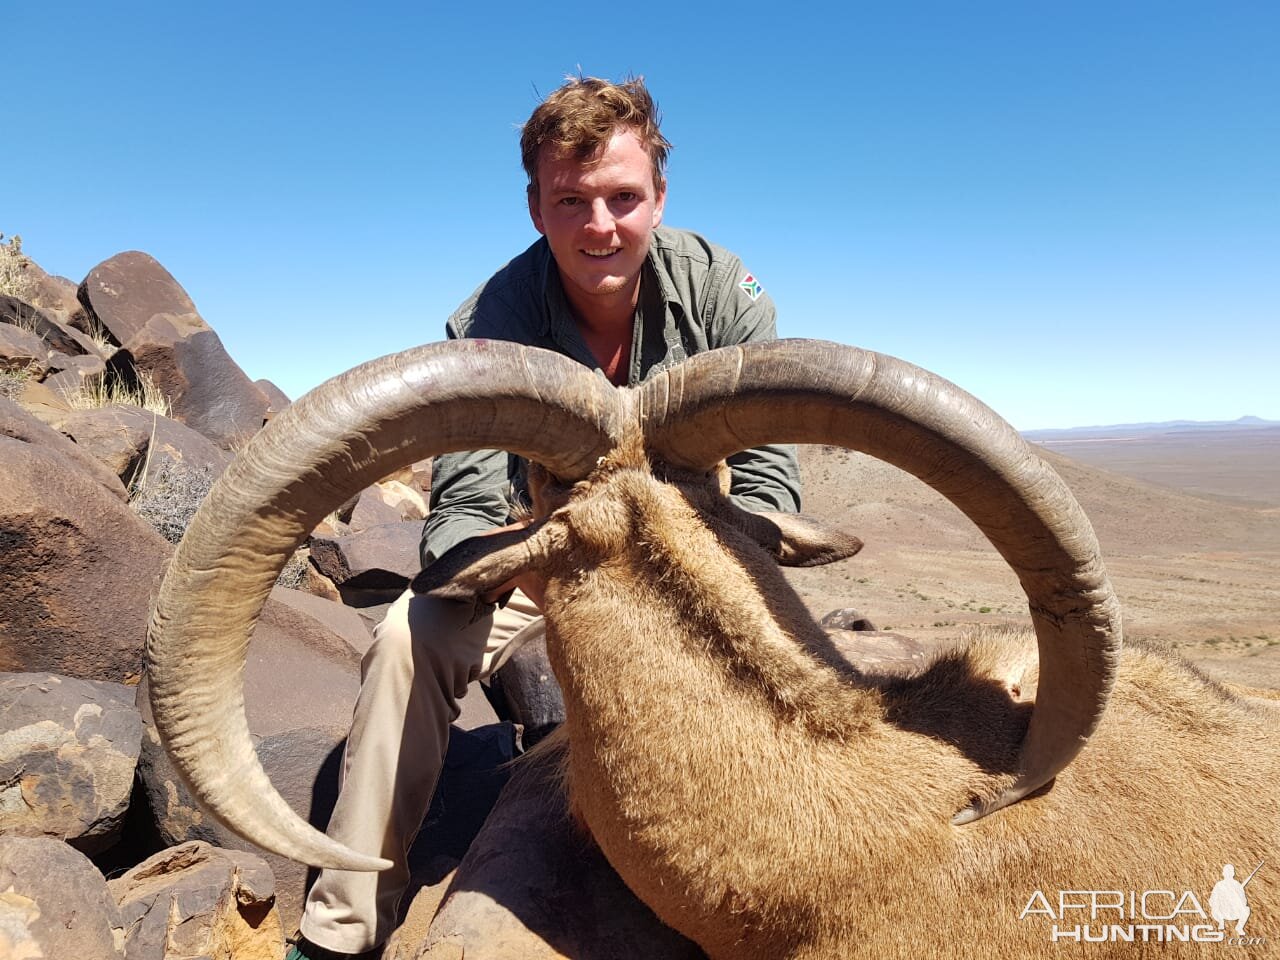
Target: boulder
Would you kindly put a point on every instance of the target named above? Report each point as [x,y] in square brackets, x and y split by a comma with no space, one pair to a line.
[371,509]
[372,566]
[77,570]
[69,377]
[160,332]
[56,335]
[277,399]
[67,755]
[23,350]
[534,887]
[300,686]
[43,403]
[53,294]
[127,439]
[55,904]
[846,618]
[17,424]
[337,618]
[525,691]
[876,652]
[196,900]
[410,503]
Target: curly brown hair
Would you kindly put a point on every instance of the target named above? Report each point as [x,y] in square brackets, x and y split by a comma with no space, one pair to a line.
[582,116]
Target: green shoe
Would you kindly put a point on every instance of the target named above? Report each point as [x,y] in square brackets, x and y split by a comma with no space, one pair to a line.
[303,949]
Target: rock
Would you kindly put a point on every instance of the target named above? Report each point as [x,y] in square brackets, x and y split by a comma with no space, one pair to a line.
[77,570]
[846,618]
[69,377]
[55,335]
[410,503]
[372,566]
[533,887]
[336,617]
[23,350]
[277,399]
[196,900]
[885,654]
[18,424]
[371,509]
[526,691]
[52,293]
[160,332]
[300,686]
[126,439]
[43,403]
[55,904]
[303,765]
[67,755]
[318,585]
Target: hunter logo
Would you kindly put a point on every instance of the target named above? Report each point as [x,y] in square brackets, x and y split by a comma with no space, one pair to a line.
[1148,916]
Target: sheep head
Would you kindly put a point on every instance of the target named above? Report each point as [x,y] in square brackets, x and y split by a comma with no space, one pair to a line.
[483,394]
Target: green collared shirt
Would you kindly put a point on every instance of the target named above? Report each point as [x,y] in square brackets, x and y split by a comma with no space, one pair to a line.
[694,297]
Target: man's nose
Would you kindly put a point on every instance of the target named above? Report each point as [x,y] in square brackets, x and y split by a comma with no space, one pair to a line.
[601,217]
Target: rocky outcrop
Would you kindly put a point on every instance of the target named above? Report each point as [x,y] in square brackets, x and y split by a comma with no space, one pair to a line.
[533,887]
[22,350]
[372,566]
[134,443]
[68,749]
[77,569]
[55,904]
[17,424]
[196,900]
[161,334]
[56,335]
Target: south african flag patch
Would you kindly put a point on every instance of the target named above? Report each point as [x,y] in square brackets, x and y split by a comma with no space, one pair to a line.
[751,287]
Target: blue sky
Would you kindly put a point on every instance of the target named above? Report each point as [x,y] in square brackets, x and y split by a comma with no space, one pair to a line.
[1070,209]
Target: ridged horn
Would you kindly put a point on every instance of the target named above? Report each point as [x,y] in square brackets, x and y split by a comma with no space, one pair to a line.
[808,391]
[340,438]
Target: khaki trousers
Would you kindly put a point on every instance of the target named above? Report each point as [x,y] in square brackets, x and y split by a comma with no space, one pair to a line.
[424,654]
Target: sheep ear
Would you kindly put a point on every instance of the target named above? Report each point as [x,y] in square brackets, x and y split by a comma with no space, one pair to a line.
[479,566]
[796,540]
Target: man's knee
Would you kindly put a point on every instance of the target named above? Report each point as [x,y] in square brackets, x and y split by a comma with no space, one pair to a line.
[423,637]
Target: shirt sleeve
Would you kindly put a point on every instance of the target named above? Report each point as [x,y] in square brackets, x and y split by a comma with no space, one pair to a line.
[768,477]
[468,491]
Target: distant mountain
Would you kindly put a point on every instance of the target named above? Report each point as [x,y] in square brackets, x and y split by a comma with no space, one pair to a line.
[1148,429]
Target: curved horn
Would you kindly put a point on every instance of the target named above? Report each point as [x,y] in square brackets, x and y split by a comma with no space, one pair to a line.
[337,440]
[809,391]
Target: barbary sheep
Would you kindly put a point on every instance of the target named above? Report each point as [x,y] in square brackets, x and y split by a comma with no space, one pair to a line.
[765,800]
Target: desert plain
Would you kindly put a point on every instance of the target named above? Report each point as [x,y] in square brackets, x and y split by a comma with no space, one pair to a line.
[1188,522]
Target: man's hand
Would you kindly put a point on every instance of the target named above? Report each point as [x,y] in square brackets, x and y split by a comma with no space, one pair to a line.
[530,583]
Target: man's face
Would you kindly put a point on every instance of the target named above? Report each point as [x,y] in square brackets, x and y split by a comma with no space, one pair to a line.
[598,216]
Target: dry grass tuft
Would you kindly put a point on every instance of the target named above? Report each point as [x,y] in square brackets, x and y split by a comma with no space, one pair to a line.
[108,390]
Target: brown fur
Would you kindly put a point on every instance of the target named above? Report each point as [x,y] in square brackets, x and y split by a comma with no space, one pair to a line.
[768,802]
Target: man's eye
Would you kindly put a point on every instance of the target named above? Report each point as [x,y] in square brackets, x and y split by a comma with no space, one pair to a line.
[626,196]
[570,201]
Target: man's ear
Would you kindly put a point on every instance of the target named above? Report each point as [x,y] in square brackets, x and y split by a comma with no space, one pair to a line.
[660,203]
[535,213]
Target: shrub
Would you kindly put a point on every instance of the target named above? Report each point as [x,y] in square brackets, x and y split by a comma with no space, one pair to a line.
[12,382]
[168,497]
[15,277]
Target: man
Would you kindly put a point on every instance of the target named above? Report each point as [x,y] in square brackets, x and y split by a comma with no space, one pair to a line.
[606,286]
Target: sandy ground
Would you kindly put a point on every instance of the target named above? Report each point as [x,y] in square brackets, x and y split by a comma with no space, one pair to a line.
[1197,569]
